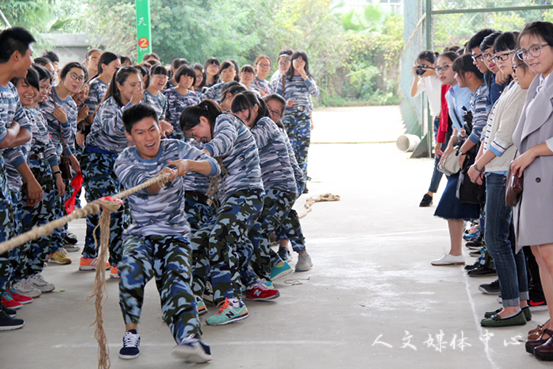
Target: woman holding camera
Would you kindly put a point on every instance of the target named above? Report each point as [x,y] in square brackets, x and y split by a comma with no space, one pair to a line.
[425,80]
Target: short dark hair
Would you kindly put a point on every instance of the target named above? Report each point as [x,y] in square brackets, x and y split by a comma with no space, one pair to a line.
[135,113]
[488,41]
[12,40]
[543,30]
[150,55]
[42,61]
[185,70]
[450,55]
[43,73]
[177,62]
[106,58]
[247,68]
[92,51]
[31,78]
[232,88]
[125,59]
[72,65]
[477,39]
[49,54]
[464,64]
[505,41]
[428,55]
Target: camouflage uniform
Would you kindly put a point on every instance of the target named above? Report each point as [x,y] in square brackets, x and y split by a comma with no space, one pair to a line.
[167,258]
[215,246]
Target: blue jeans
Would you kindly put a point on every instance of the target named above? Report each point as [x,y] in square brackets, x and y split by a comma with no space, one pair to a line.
[499,236]
[436,174]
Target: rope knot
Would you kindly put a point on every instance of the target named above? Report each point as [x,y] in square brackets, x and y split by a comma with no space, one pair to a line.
[110,204]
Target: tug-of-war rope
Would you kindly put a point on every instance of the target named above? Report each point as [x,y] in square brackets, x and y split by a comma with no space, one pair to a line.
[110,204]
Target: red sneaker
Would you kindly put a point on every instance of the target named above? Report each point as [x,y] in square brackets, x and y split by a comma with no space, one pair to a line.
[19,297]
[114,273]
[8,301]
[261,292]
[90,264]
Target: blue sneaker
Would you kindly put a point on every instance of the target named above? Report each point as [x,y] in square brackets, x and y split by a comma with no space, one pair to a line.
[192,350]
[131,341]
[230,311]
[280,271]
[471,236]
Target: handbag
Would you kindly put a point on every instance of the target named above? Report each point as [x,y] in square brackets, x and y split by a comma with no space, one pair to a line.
[450,164]
[65,162]
[513,188]
[467,191]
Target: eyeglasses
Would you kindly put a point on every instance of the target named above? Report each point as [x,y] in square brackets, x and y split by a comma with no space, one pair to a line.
[277,113]
[76,77]
[284,63]
[515,66]
[263,65]
[443,69]
[476,57]
[502,57]
[485,56]
[534,51]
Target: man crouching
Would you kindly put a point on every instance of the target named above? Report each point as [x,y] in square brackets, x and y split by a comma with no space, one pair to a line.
[156,244]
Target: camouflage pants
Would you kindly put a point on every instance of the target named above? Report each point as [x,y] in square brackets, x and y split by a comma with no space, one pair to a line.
[298,127]
[168,259]
[276,205]
[15,255]
[216,244]
[6,226]
[197,211]
[47,210]
[290,230]
[100,180]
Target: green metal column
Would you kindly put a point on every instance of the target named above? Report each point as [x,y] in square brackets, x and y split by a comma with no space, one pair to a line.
[143,29]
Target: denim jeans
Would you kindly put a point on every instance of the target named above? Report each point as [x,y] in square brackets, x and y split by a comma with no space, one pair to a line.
[499,236]
[436,174]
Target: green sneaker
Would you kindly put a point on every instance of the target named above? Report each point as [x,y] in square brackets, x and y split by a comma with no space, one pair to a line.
[496,320]
[230,311]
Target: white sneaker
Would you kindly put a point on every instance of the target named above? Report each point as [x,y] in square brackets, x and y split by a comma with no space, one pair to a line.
[39,283]
[192,350]
[449,259]
[304,263]
[26,287]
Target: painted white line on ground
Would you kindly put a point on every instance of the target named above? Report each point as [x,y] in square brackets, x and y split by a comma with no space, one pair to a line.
[487,349]
[236,343]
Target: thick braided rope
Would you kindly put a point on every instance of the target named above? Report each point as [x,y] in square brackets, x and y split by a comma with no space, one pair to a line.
[90,209]
[99,289]
[310,201]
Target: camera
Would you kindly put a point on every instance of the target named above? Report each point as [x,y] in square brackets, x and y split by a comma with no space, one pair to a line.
[421,69]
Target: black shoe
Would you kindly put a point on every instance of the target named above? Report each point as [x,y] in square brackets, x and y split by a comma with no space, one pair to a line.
[476,253]
[481,272]
[476,244]
[473,266]
[426,201]
[7,323]
[490,288]
[70,238]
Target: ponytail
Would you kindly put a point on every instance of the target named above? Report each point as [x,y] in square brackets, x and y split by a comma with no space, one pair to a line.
[190,117]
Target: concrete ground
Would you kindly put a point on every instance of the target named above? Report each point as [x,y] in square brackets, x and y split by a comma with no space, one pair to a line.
[372,299]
